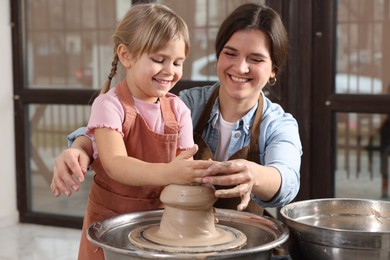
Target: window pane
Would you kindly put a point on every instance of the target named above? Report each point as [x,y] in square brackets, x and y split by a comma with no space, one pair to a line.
[69,42]
[362,155]
[362,47]
[50,124]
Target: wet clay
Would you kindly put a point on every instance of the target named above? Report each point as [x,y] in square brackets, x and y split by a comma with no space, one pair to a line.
[188,223]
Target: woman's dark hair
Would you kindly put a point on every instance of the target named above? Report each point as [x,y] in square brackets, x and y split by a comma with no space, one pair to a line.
[256,17]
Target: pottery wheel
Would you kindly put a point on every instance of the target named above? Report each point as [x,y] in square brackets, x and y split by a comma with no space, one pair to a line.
[227,239]
[188,224]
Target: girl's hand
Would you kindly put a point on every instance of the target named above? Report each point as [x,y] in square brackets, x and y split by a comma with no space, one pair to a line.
[187,171]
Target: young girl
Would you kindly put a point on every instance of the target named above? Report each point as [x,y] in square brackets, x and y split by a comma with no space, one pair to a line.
[138,128]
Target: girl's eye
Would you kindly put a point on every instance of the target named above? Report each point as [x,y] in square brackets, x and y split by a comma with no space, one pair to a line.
[158,60]
[178,64]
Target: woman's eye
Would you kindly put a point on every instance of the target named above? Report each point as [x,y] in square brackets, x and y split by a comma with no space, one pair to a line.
[256,60]
[229,53]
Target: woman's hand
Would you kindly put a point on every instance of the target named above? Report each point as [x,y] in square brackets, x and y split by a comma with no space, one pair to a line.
[246,177]
[70,165]
[237,173]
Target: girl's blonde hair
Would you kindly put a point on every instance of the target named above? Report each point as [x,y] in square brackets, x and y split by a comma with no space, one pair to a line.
[147,28]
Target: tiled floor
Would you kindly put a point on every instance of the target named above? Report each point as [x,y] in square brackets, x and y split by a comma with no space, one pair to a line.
[36,242]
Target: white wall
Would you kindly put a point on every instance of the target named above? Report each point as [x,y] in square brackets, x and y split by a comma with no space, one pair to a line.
[8,208]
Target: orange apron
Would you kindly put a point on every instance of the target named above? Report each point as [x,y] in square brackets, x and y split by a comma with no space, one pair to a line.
[250,152]
[108,198]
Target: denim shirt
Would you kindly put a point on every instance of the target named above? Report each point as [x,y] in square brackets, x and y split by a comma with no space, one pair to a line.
[279,142]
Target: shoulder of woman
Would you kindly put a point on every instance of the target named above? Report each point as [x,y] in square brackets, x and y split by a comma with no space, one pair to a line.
[272,107]
[273,112]
[175,102]
[197,94]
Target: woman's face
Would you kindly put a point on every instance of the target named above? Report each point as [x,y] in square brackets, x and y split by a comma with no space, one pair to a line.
[152,75]
[244,65]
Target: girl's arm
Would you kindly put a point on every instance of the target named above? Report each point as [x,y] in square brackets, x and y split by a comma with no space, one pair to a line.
[132,171]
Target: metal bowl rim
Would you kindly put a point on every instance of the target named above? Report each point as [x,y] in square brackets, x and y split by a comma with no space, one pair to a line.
[289,221]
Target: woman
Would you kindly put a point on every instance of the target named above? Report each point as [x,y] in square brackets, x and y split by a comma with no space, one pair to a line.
[233,121]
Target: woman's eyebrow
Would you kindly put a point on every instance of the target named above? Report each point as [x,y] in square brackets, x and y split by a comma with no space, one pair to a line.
[260,55]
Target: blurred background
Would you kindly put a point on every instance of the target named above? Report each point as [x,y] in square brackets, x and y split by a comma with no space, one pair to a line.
[336,84]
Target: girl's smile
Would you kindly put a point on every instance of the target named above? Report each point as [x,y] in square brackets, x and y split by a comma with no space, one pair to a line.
[152,75]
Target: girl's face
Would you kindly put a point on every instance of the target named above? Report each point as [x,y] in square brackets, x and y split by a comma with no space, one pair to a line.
[152,75]
[244,65]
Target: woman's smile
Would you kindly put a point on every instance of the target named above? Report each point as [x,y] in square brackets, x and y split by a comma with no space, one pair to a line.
[244,65]
[238,79]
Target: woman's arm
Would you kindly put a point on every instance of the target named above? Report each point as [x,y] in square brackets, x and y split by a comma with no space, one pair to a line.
[71,165]
[274,183]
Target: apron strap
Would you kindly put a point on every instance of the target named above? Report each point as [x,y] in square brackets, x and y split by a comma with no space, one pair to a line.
[126,98]
[206,113]
[168,116]
[254,152]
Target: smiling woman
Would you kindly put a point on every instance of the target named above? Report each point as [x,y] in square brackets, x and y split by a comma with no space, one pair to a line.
[244,67]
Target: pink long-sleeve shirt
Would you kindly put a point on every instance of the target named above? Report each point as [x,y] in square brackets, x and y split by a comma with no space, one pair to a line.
[107,111]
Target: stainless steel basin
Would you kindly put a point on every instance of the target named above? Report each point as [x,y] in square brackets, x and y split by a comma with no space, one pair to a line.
[263,234]
[345,229]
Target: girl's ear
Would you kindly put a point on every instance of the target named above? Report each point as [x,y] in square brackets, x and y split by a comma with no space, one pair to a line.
[124,55]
